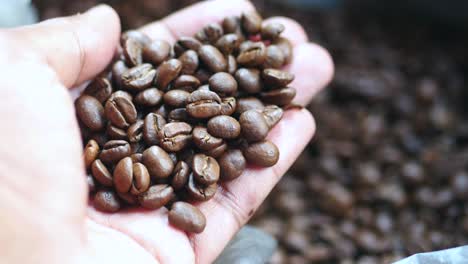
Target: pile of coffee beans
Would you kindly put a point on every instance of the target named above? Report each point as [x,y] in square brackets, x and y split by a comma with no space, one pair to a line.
[166,123]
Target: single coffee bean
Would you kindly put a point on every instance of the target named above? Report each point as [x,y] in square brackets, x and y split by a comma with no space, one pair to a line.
[251,22]
[232,24]
[180,115]
[232,164]
[136,157]
[202,75]
[204,87]
[135,131]
[91,152]
[152,124]
[186,43]
[274,57]
[216,151]
[203,140]
[176,98]
[187,217]
[123,175]
[106,201]
[138,36]
[272,114]
[212,58]
[148,98]
[121,112]
[139,77]
[205,169]
[248,103]
[115,150]
[254,126]
[156,52]
[167,72]
[121,94]
[231,64]
[128,198]
[228,106]
[118,70]
[189,60]
[223,83]
[132,50]
[91,184]
[203,104]
[198,191]
[254,55]
[101,173]
[210,33]
[274,78]
[175,136]
[249,80]
[100,88]
[271,31]
[286,47]
[162,111]
[180,175]
[90,112]
[114,132]
[264,153]
[228,43]
[224,127]
[158,162]
[141,179]
[186,82]
[156,196]
[279,97]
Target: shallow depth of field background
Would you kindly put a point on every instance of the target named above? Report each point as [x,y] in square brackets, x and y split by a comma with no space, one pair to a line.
[386,174]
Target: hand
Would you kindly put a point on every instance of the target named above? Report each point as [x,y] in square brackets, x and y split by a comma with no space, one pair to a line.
[44,214]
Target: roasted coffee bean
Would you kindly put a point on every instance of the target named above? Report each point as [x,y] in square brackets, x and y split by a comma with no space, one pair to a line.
[279,97]
[228,106]
[203,104]
[90,112]
[231,64]
[100,88]
[205,169]
[223,83]
[123,175]
[186,43]
[114,132]
[148,98]
[173,156]
[91,183]
[248,103]
[276,78]
[115,150]
[118,70]
[128,198]
[101,173]
[162,111]
[189,60]
[141,179]
[217,151]
[138,36]
[186,82]
[180,115]
[254,125]
[263,153]
[132,50]
[232,24]
[286,47]
[175,136]
[180,175]
[271,31]
[254,55]
[137,147]
[228,43]
[249,80]
[203,140]
[121,112]
[232,164]
[210,33]
[224,127]
[139,77]
[156,52]
[176,98]
[91,152]
[158,162]
[167,72]
[212,58]
[200,192]
[187,217]
[251,22]
[100,138]
[274,57]
[156,196]
[152,125]
[135,131]
[136,157]
[121,94]
[202,75]
[204,87]
[272,114]
[106,201]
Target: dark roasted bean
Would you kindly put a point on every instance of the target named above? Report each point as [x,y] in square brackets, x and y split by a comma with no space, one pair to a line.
[186,82]
[199,192]
[272,114]
[101,173]
[91,183]
[231,64]
[203,104]
[158,162]
[224,127]
[212,58]
[100,88]
[274,57]
[254,55]
[175,136]
[123,175]
[135,131]
[203,140]
[249,80]
[251,22]
[263,153]
[279,97]
[210,33]
[232,164]
[114,132]
[223,83]
[176,98]
[121,112]
[167,72]
[286,47]
[139,77]
[217,151]
[228,43]
[189,60]
[115,150]
[187,217]
[90,112]
[248,103]
[106,201]
[180,175]
[148,98]
[271,31]
[228,106]
[186,43]
[138,36]
[132,50]
[91,152]
[205,169]
[152,124]
[254,125]
[156,52]
[156,196]
[276,78]
[118,70]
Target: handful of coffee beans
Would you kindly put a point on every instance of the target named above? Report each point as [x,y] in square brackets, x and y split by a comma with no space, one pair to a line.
[167,123]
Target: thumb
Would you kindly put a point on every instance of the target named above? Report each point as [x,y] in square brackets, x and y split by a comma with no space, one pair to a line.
[76,47]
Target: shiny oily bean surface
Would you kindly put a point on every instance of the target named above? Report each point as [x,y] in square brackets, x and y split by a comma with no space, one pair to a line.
[123,175]
[132,50]
[272,114]
[198,191]
[224,127]
[187,217]
[205,169]
[121,112]
[271,31]
[249,80]
[91,152]
[251,22]
[203,140]
[138,36]
[152,125]
[158,162]
[190,62]
[274,57]
[275,78]
[148,98]
[254,126]
[115,150]
[203,104]
[176,98]
[156,196]
[210,33]
[106,201]
[248,103]
[167,72]
[186,82]
[90,112]
[231,64]
[264,153]
[180,175]
[135,131]
[228,106]
[254,55]
[141,179]
[212,58]
[156,52]
[100,88]
[114,132]
[101,173]
[139,77]
[186,43]
[232,164]
[279,97]
[223,83]
[175,136]
[228,43]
